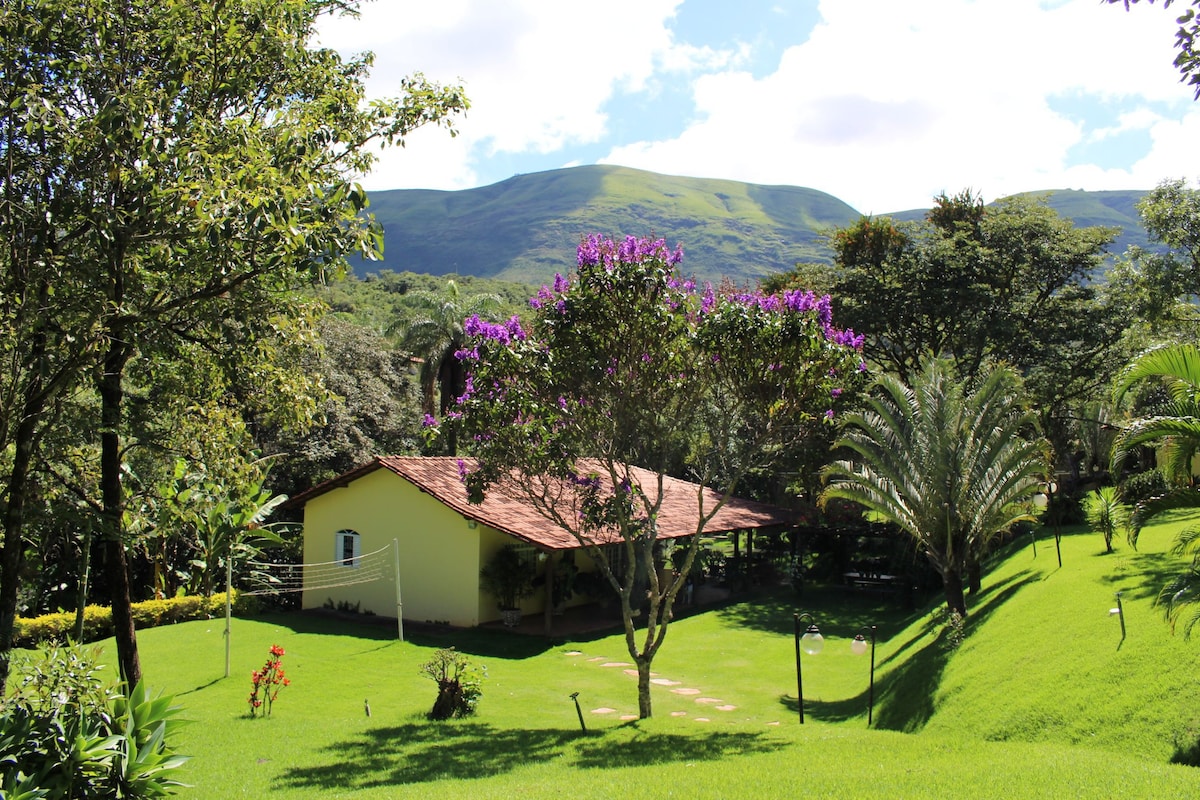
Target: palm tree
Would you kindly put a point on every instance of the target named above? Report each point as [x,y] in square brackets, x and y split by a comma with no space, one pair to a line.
[1174,429]
[951,467]
[434,334]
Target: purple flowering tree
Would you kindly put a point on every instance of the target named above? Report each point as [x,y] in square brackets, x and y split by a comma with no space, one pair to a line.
[626,364]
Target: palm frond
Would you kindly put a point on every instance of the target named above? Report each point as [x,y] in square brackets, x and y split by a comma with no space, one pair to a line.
[1179,364]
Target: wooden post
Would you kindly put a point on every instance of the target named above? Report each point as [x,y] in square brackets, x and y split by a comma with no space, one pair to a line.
[551,568]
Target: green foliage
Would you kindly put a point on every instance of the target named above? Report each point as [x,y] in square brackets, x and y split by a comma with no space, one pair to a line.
[97,620]
[951,463]
[228,521]
[196,164]
[1173,428]
[373,407]
[1010,281]
[65,734]
[508,577]
[1106,512]
[459,682]
[1161,283]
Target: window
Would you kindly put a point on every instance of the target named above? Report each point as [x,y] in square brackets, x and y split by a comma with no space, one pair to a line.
[348,548]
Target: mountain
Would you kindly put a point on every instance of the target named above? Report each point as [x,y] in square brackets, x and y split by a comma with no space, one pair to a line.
[526,228]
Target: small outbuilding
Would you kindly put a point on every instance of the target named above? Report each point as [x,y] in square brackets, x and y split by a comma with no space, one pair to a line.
[441,541]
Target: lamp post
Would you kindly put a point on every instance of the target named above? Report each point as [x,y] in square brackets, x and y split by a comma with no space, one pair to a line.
[1119,613]
[858,646]
[575,696]
[1055,513]
[812,642]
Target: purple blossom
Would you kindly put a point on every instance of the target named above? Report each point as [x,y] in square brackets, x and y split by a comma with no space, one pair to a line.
[825,310]
[463,472]
[835,393]
[504,334]
[595,250]
[862,366]
[829,413]
[561,284]
[430,421]
[709,300]
[586,481]
[800,301]
[562,402]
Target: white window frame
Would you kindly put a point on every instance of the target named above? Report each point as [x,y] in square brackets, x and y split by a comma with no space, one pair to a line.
[340,540]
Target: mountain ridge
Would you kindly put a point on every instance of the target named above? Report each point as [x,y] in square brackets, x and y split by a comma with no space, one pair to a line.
[525,228]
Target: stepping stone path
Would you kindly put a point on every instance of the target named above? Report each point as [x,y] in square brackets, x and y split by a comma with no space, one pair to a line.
[717,704]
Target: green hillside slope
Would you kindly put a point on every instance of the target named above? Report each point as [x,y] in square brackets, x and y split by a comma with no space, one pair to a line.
[526,228]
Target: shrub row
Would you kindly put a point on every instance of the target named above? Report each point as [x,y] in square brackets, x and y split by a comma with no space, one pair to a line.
[97,620]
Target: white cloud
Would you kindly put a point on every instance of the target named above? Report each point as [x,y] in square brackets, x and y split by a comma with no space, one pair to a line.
[889,103]
[884,104]
[537,72]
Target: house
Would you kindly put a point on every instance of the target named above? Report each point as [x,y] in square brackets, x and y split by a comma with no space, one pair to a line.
[351,521]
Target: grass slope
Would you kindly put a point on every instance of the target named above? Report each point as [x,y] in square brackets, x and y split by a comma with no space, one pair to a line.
[1043,699]
[526,228]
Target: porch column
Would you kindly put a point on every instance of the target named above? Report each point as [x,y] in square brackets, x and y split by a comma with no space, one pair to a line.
[551,568]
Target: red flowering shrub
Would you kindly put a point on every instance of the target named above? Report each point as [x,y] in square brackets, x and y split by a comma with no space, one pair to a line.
[267,682]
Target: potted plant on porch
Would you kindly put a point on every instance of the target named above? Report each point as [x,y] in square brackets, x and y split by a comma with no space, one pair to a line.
[509,578]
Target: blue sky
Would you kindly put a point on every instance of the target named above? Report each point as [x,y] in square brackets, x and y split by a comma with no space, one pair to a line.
[882,103]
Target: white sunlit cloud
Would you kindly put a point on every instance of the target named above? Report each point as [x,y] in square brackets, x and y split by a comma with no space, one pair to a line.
[889,103]
[884,104]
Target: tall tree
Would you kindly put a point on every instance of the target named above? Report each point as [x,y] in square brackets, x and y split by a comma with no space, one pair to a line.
[373,408]
[1163,284]
[625,364]
[211,153]
[951,463]
[434,333]
[1011,282]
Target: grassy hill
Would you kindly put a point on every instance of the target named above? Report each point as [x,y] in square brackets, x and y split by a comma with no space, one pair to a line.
[526,228]
[1043,699]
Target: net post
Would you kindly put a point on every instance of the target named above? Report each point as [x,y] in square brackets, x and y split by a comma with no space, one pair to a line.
[228,606]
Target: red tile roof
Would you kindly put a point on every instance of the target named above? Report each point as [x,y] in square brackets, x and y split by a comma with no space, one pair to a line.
[502,510]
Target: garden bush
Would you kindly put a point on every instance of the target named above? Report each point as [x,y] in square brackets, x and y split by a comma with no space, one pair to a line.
[97,620]
[460,684]
[67,733]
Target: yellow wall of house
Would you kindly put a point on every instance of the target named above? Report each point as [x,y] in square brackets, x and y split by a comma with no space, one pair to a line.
[439,550]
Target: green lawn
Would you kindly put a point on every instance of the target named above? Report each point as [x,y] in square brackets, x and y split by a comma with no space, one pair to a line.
[1043,699]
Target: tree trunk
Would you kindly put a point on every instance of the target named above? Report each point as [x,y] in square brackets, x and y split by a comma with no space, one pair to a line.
[643,668]
[14,546]
[955,601]
[974,577]
[113,503]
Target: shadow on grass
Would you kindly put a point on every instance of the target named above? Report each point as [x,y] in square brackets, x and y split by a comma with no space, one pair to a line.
[481,642]
[1146,574]
[1187,753]
[423,752]
[904,697]
[836,611]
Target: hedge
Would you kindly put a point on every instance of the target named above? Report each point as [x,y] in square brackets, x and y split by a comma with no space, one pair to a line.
[97,620]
